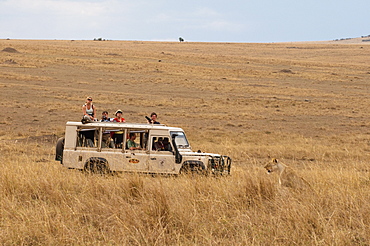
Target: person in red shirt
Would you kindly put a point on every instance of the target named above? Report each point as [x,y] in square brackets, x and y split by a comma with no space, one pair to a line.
[118,136]
[119,117]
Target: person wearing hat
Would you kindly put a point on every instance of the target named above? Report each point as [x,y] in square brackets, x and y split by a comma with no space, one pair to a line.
[119,117]
[118,136]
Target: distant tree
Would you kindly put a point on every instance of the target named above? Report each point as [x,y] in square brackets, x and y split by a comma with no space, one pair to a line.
[181,39]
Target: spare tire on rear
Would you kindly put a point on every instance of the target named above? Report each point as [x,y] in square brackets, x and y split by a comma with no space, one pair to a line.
[59,150]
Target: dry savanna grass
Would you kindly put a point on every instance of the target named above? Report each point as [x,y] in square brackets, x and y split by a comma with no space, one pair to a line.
[303,103]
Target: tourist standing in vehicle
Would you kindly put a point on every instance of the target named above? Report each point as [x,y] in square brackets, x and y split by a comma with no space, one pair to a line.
[88,110]
[153,118]
[119,117]
[105,118]
[107,141]
[118,136]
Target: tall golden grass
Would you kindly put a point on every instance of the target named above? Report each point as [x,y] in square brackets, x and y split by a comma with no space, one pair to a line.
[44,203]
[306,104]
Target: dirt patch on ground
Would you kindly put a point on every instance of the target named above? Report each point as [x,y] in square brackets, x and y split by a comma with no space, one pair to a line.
[286,71]
[44,139]
[10,50]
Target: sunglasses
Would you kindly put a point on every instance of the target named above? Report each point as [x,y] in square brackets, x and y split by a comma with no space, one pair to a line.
[89,99]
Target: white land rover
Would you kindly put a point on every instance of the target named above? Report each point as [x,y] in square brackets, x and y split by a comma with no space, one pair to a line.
[147,148]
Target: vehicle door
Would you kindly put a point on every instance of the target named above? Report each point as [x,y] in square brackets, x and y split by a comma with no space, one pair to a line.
[137,159]
[161,157]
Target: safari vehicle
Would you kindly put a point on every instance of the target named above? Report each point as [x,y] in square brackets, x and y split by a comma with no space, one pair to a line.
[160,149]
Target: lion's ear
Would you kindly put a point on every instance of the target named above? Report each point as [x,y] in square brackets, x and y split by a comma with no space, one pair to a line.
[275,160]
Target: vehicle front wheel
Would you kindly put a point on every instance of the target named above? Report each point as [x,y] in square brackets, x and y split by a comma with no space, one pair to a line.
[192,167]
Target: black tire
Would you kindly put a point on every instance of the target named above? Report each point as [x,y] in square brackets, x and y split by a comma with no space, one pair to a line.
[59,150]
[97,165]
[193,167]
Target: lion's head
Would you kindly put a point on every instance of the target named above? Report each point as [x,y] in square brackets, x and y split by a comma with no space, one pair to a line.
[272,166]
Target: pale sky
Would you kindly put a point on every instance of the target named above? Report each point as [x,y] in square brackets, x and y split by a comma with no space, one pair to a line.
[194,20]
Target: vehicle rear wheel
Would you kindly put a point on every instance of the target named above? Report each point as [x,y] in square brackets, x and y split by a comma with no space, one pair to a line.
[97,165]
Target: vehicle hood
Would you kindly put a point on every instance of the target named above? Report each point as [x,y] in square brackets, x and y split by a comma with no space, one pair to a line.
[190,153]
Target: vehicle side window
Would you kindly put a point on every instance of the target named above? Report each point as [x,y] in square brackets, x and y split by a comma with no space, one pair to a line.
[87,137]
[167,144]
[137,139]
[161,144]
[117,136]
[107,139]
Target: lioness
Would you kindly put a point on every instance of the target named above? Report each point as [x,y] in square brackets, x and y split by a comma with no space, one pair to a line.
[287,177]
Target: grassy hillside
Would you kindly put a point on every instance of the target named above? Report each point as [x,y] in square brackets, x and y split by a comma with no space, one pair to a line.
[306,104]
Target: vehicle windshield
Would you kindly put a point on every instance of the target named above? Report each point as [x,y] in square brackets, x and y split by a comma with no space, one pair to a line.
[180,140]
